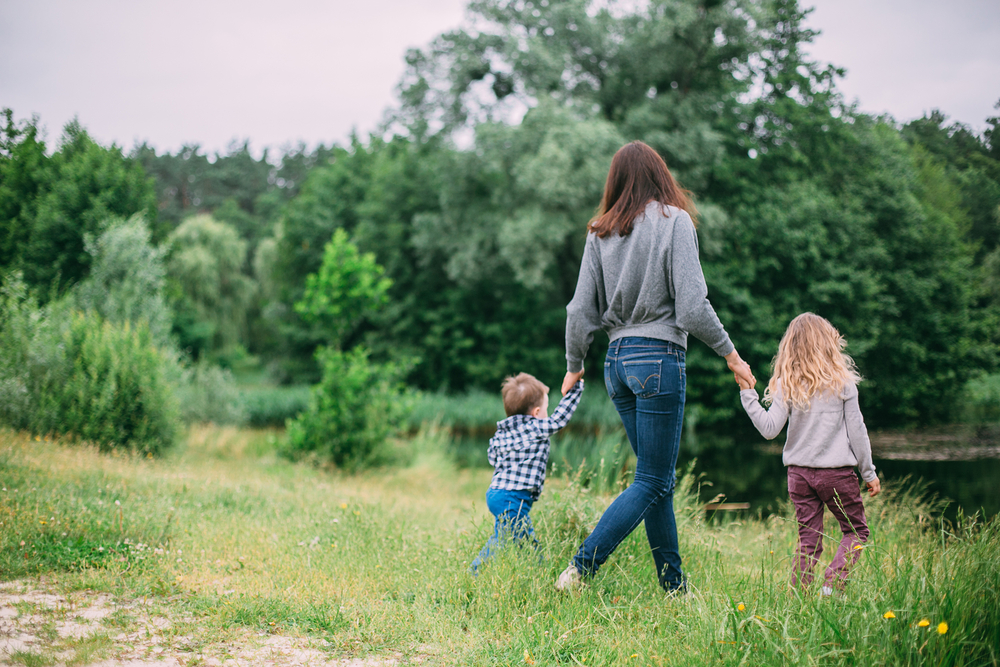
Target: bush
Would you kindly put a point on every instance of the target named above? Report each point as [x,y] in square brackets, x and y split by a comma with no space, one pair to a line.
[273,406]
[32,355]
[981,399]
[126,278]
[207,393]
[74,373]
[351,412]
[117,394]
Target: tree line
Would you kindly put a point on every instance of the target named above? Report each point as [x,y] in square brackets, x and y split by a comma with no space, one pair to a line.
[474,196]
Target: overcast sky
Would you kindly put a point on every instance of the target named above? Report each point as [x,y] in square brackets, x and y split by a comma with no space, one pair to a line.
[210,71]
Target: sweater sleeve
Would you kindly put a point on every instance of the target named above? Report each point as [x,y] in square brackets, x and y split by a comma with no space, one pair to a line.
[768,422]
[583,316]
[694,312]
[565,409]
[857,434]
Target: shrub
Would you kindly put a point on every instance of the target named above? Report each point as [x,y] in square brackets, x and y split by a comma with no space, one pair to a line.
[117,394]
[207,393]
[981,399]
[351,412]
[273,406]
[126,278]
[33,358]
[69,372]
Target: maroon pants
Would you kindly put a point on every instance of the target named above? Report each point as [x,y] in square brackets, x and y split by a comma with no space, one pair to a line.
[838,489]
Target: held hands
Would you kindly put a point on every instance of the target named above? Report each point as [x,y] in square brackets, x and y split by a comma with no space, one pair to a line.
[570,380]
[874,487]
[741,371]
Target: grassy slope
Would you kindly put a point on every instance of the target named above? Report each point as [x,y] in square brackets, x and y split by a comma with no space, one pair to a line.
[224,532]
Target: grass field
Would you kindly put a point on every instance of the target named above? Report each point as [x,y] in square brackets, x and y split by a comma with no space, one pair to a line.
[230,544]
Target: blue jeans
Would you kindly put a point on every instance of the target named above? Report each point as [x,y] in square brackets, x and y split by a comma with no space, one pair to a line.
[513,523]
[645,379]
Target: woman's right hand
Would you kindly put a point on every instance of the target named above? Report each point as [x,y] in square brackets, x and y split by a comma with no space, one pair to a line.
[741,369]
[570,380]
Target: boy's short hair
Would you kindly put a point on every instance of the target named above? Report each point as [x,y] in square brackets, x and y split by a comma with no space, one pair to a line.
[521,393]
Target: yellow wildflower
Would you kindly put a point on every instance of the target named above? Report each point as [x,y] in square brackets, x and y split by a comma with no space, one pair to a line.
[924,622]
[343,506]
[888,614]
[942,628]
[634,655]
[858,546]
[741,607]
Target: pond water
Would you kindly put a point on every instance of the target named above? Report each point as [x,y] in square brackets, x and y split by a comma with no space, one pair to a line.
[960,465]
[965,472]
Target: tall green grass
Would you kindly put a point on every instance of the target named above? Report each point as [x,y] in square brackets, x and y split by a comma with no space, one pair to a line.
[244,541]
[272,406]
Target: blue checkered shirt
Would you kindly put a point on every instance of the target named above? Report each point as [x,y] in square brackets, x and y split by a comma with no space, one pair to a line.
[519,451]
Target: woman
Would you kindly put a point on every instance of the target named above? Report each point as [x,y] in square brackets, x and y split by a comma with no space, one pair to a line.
[641,282]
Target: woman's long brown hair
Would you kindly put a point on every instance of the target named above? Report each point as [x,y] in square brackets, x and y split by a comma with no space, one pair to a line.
[638,175]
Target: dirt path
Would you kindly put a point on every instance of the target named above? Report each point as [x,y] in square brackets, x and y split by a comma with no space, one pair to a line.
[40,626]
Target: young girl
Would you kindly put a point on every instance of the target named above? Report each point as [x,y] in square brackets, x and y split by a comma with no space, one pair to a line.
[814,388]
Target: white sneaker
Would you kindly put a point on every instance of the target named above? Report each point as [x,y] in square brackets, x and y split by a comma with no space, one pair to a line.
[569,580]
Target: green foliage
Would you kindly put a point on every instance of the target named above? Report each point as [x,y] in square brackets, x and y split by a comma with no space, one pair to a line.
[117,393]
[207,393]
[235,187]
[210,291]
[981,399]
[23,176]
[348,286]
[352,411]
[56,201]
[33,358]
[126,279]
[74,373]
[273,406]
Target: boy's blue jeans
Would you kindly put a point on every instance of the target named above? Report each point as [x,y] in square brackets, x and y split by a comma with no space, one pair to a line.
[513,523]
[646,381]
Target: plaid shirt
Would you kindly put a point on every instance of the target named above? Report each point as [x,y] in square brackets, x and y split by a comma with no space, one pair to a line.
[519,450]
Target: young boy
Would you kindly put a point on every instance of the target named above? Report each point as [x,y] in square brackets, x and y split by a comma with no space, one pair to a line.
[519,452]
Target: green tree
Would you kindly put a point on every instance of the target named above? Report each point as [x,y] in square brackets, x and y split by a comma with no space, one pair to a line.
[127,278]
[348,286]
[210,292]
[23,176]
[86,184]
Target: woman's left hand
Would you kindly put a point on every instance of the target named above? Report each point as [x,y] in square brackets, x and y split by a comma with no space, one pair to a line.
[741,369]
[570,380]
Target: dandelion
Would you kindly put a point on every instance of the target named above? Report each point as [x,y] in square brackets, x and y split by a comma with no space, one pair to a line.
[634,655]
[858,547]
[942,628]
[741,607]
[343,506]
[924,622]
[888,614]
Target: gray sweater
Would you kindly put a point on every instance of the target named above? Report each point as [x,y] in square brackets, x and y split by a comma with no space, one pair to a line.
[648,283]
[830,434]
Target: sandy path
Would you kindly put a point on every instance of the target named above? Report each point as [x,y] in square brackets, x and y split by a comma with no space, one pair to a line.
[40,625]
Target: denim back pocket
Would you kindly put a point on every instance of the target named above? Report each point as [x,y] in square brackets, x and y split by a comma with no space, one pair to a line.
[643,376]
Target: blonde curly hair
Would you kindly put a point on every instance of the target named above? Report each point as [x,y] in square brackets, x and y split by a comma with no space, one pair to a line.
[810,361]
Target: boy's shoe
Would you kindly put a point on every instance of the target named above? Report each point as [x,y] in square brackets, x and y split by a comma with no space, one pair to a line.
[570,579]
